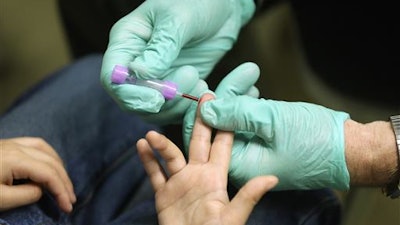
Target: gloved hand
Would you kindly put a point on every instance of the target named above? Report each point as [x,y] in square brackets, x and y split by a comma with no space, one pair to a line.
[150,104]
[301,143]
[161,36]
[239,81]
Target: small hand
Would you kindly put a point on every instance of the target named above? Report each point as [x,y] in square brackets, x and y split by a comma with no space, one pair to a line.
[32,159]
[196,192]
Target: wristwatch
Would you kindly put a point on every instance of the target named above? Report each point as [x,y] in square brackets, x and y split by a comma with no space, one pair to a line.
[392,190]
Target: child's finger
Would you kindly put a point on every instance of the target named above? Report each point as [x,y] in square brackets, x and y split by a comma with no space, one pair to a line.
[171,154]
[200,143]
[153,168]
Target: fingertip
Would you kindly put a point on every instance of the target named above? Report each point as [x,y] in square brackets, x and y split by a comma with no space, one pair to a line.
[264,183]
[271,181]
[206,97]
[156,140]
[64,201]
[251,68]
[140,143]
[143,149]
[239,80]
[152,134]
[74,199]
[67,208]
[34,190]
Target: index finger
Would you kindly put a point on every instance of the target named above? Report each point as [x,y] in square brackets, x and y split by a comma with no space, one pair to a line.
[200,142]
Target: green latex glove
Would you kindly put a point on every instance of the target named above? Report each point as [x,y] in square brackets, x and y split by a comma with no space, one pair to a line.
[301,143]
[161,36]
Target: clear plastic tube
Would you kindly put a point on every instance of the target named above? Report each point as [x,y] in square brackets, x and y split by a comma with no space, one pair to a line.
[168,89]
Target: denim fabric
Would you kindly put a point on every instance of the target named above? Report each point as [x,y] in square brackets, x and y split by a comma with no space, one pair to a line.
[314,207]
[72,112]
[96,140]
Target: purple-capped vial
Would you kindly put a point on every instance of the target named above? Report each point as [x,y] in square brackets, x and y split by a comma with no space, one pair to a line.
[121,75]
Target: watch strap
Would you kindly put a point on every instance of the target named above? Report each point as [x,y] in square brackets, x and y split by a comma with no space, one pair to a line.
[392,190]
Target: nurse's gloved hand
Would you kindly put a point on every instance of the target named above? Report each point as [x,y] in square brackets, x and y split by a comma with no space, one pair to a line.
[161,36]
[301,143]
[239,81]
[151,105]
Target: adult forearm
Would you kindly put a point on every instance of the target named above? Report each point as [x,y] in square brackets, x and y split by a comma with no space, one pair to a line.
[371,153]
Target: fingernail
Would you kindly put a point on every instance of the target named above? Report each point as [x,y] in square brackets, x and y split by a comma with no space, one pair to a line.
[73,198]
[69,208]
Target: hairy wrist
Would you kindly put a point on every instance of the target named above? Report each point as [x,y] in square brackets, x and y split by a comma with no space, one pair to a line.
[371,153]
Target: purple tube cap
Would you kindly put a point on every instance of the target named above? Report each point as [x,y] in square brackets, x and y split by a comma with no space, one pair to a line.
[119,74]
[169,90]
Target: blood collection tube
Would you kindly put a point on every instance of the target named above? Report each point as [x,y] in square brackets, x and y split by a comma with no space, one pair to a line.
[168,89]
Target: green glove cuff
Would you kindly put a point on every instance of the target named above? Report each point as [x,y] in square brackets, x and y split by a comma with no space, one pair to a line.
[340,174]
